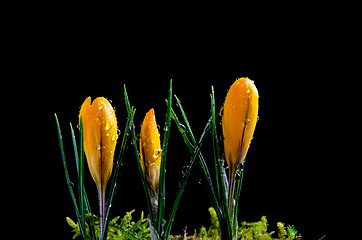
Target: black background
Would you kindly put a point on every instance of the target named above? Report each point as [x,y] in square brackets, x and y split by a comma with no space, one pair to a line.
[293,170]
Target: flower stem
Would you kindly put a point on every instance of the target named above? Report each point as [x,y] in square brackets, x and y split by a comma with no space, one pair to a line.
[231,200]
[101,212]
[154,200]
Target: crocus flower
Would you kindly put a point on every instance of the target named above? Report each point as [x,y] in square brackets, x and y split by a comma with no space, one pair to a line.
[150,151]
[240,115]
[100,137]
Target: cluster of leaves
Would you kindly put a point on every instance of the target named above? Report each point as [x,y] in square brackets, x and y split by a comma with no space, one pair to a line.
[118,229]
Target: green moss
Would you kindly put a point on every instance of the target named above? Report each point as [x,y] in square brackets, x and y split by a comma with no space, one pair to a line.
[214,229]
[248,230]
[117,229]
[124,228]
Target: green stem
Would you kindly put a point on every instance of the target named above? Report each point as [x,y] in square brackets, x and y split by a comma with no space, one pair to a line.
[238,183]
[235,182]
[231,200]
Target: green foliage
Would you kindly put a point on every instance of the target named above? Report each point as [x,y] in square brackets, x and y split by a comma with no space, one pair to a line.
[203,232]
[292,232]
[281,229]
[124,228]
[118,229]
[255,230]
[247,231]
[214,230]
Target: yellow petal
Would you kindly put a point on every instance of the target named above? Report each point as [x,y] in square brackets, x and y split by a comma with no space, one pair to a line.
[150,149]
[240,115]
[100,137]
[87,102]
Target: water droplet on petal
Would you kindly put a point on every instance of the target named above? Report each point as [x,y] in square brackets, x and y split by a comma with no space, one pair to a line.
[156,152]
[108,125]
[114,137]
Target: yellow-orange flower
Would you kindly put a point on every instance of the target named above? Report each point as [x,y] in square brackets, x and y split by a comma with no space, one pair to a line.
[150,150]
[100,137]
[239,119]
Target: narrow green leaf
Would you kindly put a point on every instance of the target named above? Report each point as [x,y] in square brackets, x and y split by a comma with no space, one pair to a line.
[191,150]
[75,149]
[81,178]
[185,177]
[77,156]
[166,135]
[116,172]
[128,105]
[202,161]
[139,165]
[186,121]
[219,171]
[69,184]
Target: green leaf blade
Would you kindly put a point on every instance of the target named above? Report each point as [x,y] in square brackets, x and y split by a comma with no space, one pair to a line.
[67,178]
[161,196]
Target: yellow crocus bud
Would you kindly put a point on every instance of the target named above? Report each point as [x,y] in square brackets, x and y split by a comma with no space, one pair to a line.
[240,115]
[150,150]
[100,137]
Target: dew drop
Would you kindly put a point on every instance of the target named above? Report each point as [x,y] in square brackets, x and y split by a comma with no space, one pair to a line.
[156,152]
[108,125]
[114,137]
